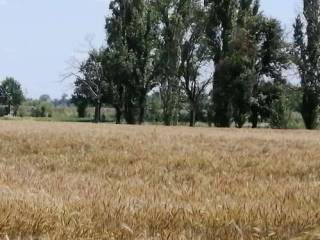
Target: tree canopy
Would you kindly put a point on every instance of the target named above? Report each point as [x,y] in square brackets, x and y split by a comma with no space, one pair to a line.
[11,95]
[221,57]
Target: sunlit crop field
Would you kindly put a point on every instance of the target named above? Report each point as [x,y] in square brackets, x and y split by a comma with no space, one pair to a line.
[86,181]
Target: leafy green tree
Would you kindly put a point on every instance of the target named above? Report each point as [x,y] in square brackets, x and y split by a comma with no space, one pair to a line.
[246,47]
[2,100]
[280,113]
[11,95]
[173,15]
[271,59]
[231,37]
[91,82]
[142,42]
[194,58]
[219,29]
[132,34]
[42,109]
[243,56]
[81,103]
[118,61]
[306,56]
[116,74]
[269,94]
[239,68]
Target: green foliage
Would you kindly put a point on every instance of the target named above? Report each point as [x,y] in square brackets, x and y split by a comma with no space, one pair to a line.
[261,103]
[245,47]
[81,103]
[154,113]
[280,113]
[286,111]
[306,57]
[156,53]
[194,56]
[11,95]
[310,108]
[296,121]
[219,29]
[243,76]
[132,32]
[173,19]
[295,97]
[164,45]
[42,109]
[91,81]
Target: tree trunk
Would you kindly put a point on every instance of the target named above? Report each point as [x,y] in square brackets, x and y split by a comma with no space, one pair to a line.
[193,113]
[167,115]
[142,107]
[254,120]
[310,109]
[167,119]
[129,114]
[15,110]
[240,119]
[9,109]
[97,112]
[81,109]
[168,99]
[118,115]
[210,115]
[130,110]
[141,115]
[167,112]
[223,114]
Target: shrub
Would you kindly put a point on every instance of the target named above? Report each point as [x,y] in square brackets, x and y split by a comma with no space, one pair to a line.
[42,109]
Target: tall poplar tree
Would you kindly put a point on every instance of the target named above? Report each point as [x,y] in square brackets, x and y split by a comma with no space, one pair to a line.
[220,26]
[307,55]
[132,32]
[194,59]
[246,47]
[172,22]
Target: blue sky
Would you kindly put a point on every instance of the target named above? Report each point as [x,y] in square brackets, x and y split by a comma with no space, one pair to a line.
[39,38]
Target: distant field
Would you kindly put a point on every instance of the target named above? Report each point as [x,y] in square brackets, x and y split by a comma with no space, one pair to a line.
[86,181]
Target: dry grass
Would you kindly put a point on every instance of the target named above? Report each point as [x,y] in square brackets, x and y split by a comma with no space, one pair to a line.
[83,181]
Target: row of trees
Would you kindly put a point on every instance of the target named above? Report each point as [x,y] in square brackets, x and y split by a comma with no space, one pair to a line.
[224,51]
[13,102]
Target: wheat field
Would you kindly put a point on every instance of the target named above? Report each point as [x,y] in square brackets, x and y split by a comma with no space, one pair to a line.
[86,181]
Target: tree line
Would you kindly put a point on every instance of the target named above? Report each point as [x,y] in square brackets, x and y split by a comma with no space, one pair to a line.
[226,51]
[222,60]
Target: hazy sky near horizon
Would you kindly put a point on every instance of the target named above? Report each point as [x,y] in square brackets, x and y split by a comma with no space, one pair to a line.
[39,38]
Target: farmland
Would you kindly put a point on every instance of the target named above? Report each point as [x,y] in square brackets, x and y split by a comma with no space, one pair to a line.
[86,181]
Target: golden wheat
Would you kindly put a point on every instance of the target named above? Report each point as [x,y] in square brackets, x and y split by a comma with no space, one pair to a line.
[85,181]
